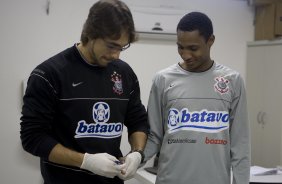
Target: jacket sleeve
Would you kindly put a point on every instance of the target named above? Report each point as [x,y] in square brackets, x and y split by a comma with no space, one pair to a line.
[37,115]
[136,116]
[155,119]
[239,135]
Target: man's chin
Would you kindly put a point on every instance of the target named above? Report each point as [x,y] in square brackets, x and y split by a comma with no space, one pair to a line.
[104,62]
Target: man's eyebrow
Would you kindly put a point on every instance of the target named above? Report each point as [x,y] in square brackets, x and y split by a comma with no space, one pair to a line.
[117,45]
[113,43]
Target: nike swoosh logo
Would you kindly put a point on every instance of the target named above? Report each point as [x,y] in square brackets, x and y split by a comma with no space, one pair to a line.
[76,84]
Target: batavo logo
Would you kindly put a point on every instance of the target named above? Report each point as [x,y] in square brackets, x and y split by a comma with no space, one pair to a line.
[199,121]
[101,128]
[215,141]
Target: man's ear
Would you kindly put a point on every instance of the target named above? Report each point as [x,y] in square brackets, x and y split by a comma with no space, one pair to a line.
[211,40]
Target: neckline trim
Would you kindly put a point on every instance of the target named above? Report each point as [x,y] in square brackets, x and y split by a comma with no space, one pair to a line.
[199,73]
[82,57]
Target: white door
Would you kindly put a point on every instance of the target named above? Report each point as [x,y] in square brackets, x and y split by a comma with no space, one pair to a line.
[272,106]
[264,92]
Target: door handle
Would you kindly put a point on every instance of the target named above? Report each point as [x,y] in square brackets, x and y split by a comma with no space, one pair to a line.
[259,117]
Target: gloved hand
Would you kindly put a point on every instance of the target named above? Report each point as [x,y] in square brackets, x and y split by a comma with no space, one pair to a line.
[132,162]
[102,164]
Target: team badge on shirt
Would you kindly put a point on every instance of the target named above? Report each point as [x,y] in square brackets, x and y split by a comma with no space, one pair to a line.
[221,85]
[116,78]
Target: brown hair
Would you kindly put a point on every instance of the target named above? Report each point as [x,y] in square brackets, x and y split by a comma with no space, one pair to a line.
[108,19]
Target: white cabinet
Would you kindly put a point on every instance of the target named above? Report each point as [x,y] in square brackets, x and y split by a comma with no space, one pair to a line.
[264,94]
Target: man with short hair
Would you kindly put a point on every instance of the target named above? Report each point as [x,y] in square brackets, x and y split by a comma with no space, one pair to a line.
[208,135]
[77,102]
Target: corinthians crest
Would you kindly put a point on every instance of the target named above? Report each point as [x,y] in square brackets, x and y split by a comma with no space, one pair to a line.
[221,85]
[116,78]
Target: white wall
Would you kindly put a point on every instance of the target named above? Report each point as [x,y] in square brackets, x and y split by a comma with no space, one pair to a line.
[28,37]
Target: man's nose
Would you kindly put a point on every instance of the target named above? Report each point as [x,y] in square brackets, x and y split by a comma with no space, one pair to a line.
[186,55]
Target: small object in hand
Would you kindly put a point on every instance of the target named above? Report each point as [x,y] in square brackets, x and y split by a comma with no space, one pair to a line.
[118,162]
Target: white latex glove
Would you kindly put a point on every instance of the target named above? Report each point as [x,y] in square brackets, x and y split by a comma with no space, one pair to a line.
[132,162]
[102,164]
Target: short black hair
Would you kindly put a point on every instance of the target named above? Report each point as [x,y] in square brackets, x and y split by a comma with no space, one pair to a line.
[107,19]
[196,21]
